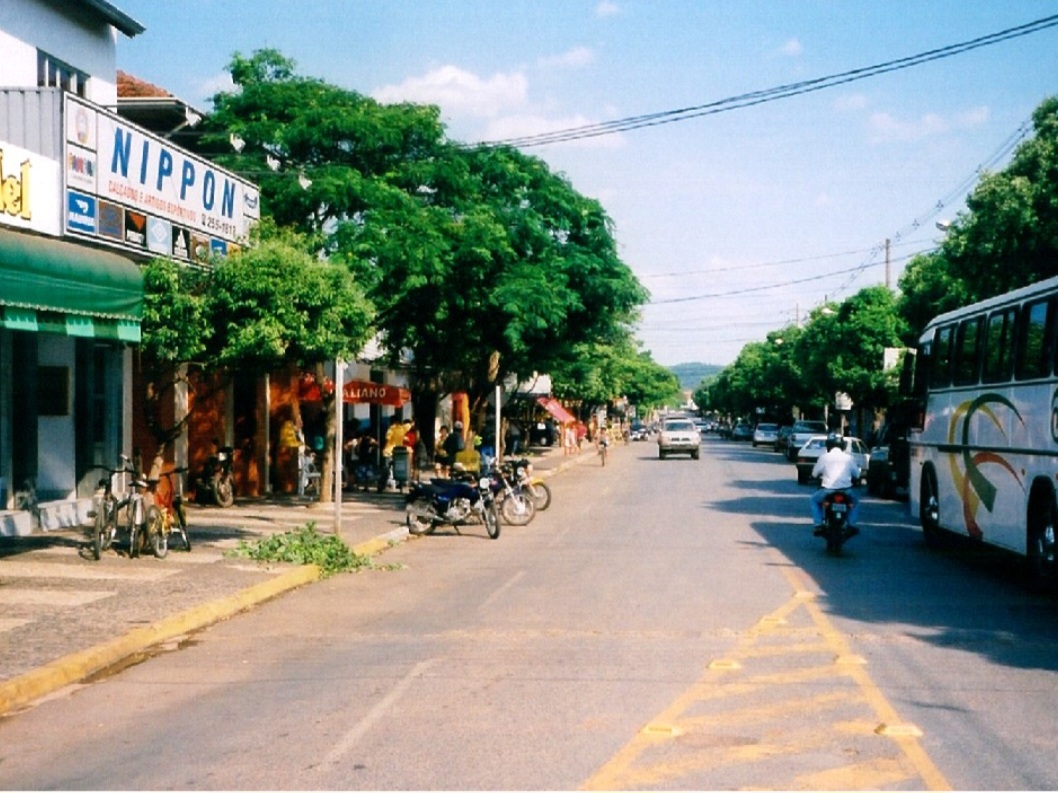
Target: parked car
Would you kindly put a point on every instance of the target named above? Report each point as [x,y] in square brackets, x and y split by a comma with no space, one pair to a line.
[679,436]
[815,446]
[888,473]
[765,434]
[742,432]
[800,433]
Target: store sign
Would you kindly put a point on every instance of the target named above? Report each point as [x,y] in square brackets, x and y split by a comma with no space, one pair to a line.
[29,190]
[162,199]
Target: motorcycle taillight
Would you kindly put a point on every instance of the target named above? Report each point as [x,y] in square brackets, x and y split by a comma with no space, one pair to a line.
[838,498]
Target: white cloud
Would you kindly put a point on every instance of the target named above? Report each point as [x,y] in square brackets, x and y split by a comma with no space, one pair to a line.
[607,8]
[574,58]
[792,48]
[215,85]
[885,127]
[458,91]
[851,102]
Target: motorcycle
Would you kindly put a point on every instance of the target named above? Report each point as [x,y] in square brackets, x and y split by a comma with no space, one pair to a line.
[217,479]
[452,502]
[515,504]
[836,529]
[535,486]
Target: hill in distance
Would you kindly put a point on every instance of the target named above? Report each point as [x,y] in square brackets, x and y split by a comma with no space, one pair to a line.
[692,374]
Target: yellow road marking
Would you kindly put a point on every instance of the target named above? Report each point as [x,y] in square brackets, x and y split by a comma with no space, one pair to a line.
[686,741]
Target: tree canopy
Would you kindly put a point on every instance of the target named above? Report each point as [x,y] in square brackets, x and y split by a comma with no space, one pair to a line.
[480,262]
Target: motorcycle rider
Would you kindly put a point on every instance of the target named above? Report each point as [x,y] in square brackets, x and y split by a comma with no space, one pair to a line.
[836,470]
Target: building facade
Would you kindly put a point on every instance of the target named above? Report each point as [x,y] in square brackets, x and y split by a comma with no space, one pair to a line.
[85,197]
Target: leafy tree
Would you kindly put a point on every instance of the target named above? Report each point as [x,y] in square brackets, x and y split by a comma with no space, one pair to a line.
[267,306]
[480,261]
[1007,238]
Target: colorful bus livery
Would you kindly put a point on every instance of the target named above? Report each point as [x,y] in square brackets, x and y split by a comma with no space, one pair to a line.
[984,453]
[974,463]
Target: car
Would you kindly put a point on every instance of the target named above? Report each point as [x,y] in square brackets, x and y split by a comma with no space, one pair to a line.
[782,438]
[742,432]
[814,448]
[679,436]
[765,434]
[800,433]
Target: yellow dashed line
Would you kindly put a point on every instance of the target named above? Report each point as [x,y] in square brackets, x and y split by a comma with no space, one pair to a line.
[685,742]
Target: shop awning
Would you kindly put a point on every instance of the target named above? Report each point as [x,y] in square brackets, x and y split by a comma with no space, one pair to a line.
[360,391]
[48,285]
[552,406]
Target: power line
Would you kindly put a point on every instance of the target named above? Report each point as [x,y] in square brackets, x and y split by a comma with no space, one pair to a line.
[771,94]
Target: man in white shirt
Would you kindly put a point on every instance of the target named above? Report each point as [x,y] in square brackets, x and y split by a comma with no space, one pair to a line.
[836,470]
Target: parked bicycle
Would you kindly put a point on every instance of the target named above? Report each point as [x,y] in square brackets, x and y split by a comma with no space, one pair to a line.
[166,513]
[108,509]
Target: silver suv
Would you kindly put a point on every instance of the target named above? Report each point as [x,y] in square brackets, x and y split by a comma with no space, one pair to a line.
[679,436]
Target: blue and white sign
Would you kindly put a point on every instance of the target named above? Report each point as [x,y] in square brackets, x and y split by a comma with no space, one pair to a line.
[81,212]
[140,171]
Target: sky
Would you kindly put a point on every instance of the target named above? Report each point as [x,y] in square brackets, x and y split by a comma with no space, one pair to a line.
[738,222]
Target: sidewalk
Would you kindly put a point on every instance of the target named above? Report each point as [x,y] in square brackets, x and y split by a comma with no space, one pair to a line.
[65,617]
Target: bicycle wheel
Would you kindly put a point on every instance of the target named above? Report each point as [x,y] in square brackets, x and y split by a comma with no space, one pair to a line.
[135,529]
[157,535]
[108,514]
[99,529]
[181,522]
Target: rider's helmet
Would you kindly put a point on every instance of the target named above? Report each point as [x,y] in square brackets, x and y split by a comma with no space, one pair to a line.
[834,441]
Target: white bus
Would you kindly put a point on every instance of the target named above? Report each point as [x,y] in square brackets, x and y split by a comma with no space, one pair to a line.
[984,440]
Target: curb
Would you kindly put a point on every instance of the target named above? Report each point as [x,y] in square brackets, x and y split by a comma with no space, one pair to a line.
[76,667]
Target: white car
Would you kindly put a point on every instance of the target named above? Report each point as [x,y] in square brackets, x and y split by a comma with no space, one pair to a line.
[817,445]
[679,436]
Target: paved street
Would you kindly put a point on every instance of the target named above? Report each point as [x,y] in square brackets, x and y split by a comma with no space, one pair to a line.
[665,625]
[67,616]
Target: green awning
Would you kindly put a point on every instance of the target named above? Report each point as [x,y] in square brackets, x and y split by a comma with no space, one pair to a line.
[47,285]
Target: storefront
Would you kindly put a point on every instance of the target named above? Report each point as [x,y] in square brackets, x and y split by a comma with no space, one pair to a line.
[68,315]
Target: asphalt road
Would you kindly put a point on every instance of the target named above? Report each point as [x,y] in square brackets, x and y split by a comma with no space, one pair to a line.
[665,625]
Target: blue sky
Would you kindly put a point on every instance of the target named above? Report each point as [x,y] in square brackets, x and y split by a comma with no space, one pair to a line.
[738,223]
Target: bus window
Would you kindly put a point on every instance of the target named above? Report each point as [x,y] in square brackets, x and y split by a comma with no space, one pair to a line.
[940,369]
[999,346]
[966,363]
[1034,348]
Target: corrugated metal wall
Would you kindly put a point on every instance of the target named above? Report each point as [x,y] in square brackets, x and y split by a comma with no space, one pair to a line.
[31,118]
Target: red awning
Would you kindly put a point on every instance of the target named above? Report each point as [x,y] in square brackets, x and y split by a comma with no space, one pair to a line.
[553,407]
[375,393]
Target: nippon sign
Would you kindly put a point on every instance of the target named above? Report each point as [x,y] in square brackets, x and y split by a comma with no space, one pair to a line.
[29,190]
[155,182]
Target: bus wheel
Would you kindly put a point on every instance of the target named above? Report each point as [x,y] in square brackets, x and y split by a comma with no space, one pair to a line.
[1040,560]
[929,511]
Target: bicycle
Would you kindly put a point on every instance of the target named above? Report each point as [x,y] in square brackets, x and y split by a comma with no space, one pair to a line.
[105,523]
[166,513]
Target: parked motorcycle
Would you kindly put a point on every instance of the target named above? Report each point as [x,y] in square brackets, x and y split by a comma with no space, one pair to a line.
[514,502]
[217,479]
[535,486]
[836,529]
[451,502]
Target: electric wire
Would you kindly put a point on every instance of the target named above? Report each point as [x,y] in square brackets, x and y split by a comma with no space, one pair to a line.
[753,98]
